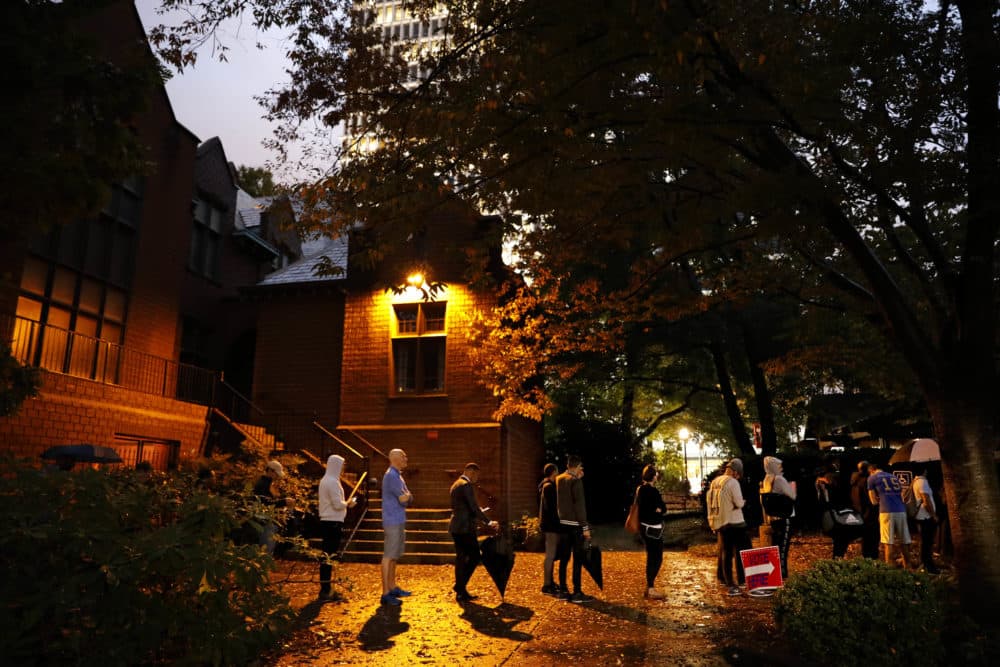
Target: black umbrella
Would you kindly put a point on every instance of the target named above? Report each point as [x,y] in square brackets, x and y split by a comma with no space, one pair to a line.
[82,453]
[498,559]
[592,563]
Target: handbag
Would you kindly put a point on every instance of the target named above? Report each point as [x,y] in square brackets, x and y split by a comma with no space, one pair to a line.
[777,505]
[632,522]
[835,519]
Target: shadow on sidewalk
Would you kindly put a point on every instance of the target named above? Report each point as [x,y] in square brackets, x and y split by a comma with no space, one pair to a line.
[498,621]
[378,630]
[641,617]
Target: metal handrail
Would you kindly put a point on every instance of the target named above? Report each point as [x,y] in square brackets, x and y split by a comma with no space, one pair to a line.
[329,434]
[67,352]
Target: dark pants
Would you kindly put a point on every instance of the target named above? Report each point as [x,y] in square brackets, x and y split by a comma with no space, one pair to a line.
[732,540]
[781,537]
[654,557]
[467,557]
[928,529]
[331,532]
[572,542]
[870,538]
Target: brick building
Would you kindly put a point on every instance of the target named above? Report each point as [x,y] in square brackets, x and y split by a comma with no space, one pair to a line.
[376,370]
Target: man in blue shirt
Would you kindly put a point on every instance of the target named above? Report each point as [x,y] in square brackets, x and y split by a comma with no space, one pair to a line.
[395,499]
[885,491]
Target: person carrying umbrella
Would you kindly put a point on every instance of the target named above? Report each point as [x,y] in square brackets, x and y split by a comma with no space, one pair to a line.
[465,515]
[573,517]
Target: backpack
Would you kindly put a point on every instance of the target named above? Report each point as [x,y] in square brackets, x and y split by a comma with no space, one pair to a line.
[712,502]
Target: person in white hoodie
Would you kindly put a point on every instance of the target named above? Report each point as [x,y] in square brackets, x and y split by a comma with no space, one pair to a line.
[332,510]
[775,482]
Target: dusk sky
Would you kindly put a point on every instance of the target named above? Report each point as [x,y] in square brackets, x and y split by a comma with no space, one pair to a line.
[217,98]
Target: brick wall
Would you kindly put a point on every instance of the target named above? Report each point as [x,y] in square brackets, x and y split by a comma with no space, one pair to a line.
[72,410]
[297,365]
[526,457]
[367,398]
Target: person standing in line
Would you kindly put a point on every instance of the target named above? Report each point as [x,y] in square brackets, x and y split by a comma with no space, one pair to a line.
[395,499]
[781,535]
[862,504]
[548,523]
[651,512]
[465,515]
[725,515]
[885,490]
[332,511]
[926,518]
[573,518]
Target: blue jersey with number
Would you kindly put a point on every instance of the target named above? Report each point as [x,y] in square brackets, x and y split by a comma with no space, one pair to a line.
[889,491]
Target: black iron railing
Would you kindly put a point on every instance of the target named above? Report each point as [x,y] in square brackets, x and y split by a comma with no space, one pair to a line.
[72,353]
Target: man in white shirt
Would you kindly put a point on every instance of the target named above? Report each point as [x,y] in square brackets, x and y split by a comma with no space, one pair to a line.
[725,508]
[926,517]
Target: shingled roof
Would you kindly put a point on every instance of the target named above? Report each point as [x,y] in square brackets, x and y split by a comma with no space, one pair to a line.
[304,270]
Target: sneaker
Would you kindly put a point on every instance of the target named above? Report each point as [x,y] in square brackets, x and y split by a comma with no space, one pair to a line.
[400,593]
[562,593]
[390,600]
[580,598]
[465,597]
[655,594]
[550,589]
[734,591]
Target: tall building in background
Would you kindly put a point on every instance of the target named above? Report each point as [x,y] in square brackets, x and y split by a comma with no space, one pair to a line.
[414,39]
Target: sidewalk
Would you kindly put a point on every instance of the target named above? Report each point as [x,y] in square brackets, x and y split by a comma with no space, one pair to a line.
[697,625]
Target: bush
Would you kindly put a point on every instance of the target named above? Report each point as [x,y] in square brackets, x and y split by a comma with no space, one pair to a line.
[528,534]
[126,568]
[854,612]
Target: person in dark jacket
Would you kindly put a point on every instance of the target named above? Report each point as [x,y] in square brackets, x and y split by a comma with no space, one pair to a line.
[651,512]
[548,524]
[465,517]
[573,518]
[862,504]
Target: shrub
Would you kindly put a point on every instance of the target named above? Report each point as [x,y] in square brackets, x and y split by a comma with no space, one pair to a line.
[528,534]
[853,612]
[124,568]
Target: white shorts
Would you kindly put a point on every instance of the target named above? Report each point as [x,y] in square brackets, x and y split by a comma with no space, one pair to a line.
[893,528]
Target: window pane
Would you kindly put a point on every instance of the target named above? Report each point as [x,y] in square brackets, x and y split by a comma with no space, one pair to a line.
[84,347]
[90,296]
[129,209]
[55,338]
[216,222]
[211,253]
[404,362]
[71,238]
[26,332]
[114,305]
[432,350]
[201,211]
[434,316]
[406,319]
[123,256]
[98,245]
[34,275]
[64,286]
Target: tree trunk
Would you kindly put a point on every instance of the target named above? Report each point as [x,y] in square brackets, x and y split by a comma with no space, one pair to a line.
[729,399]
[761,392]
[966,431]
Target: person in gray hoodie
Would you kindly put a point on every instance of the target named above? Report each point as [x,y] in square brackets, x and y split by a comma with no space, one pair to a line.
[775,482]
[332,510]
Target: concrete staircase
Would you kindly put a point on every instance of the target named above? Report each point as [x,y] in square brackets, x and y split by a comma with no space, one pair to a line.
[427,537]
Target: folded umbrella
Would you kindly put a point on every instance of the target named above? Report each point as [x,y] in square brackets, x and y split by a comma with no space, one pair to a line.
[592,563]
[498,558]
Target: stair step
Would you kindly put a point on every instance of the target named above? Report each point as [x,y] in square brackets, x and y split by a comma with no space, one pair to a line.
[375,534]
[407,559]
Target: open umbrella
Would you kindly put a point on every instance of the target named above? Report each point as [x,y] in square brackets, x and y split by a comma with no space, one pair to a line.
[592,563]
[916,451]
[498,559]
[82,453]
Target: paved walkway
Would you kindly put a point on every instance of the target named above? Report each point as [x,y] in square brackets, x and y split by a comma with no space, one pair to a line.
[691,627]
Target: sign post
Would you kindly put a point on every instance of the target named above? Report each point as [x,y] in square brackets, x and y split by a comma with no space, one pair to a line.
[762,569]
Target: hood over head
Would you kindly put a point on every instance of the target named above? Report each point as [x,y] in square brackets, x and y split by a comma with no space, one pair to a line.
[334,465]
[772,465]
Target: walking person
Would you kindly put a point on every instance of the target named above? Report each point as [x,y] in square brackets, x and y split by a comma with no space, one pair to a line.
[395,499]
[725,516]
[886,491]
[926,518]
[465,515]
[573,519]
[332,511]
[863,505]
[781,534]
[651,512]
[548,524]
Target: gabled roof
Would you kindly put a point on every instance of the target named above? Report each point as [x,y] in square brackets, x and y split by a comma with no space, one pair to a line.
[304,270]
